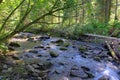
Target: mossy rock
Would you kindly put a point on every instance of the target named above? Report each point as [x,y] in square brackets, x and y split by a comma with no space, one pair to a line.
[66,44]
[82,48]
[63,48]
[53,53]
[58,41]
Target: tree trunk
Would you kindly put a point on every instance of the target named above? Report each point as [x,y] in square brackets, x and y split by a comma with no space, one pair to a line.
[116,17]
[103,10]
[107,10]
[1,1]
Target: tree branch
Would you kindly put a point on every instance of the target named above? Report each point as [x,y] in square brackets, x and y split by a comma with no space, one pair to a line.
[10,15]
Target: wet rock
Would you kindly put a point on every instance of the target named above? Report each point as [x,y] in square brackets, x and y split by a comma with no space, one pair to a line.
[58,41]
[66,44]
[40,46]
[14,44]
[48,47]
[1,77]
[35,66]
[4,71]
[5,66]
[90,75]
[58,71]
[97,51]
[28,55]
[33,51]
[104,53]
[84,56]
[82,48]
[39,55]
[24,35]
[85,68]
[75,78]
[78,73]
[15,57]
[53,53]
[2,58]
[30,68]
[97,58]
[75,68]
[11,48]
[88,53]
[62,63]
[10,69]
[10,62]
[104,78]
[35,74]
[44,37]
[44,65]
[73,46]
[63,48]
[43,75]
[39,78]
[31,39]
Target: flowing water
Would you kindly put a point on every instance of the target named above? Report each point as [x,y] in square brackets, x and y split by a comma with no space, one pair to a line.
[73,57]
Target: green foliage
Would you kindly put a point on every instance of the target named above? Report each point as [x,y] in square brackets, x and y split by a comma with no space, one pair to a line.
[3,47]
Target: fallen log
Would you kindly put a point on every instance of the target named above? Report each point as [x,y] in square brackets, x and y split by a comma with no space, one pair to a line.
[112,43]
[113,54]
[102,37]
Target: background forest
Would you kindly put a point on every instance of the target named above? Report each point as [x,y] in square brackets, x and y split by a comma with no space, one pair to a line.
[69,17]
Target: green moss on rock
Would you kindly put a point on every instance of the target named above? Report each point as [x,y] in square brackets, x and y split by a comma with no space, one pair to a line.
[63,48]
[53,53]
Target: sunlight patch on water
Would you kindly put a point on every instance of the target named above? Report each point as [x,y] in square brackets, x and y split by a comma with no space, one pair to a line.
[100,69]
[18,40]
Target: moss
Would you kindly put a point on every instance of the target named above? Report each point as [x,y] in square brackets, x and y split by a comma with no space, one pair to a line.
[82,48]
[66,44]
[53,53]
[63,48]
[59,41]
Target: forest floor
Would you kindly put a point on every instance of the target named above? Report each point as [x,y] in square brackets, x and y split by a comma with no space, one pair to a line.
[41,57]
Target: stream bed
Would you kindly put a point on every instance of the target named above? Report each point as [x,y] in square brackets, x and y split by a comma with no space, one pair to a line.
[50,58]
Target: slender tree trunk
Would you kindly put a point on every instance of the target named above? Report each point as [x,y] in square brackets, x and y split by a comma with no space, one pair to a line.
[107,10]
[83,12]
[1,1]
[116,17]
[103,10]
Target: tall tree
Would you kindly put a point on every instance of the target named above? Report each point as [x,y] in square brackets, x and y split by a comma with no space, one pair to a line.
[103,10]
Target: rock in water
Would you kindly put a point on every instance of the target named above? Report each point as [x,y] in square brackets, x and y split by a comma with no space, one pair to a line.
[14,44]
[104,78]
[63,48]
[78,73]
[53,54]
